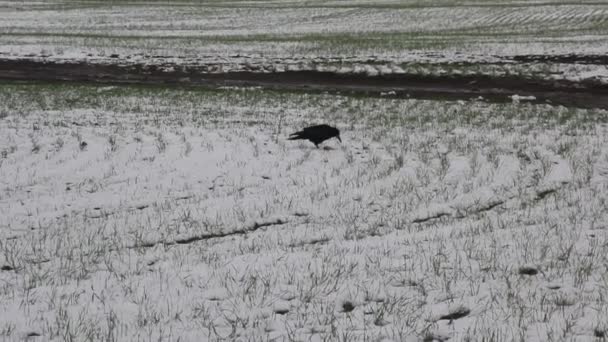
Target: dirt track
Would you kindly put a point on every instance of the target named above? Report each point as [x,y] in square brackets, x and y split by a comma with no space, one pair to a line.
[496,89]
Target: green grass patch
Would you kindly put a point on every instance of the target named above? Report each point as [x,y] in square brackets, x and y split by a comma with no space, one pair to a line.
[24,98]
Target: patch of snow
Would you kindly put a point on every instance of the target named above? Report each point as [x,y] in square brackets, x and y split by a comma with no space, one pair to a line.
[518,98]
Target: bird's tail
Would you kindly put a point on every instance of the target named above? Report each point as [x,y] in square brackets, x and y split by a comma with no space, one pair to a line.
[295,136]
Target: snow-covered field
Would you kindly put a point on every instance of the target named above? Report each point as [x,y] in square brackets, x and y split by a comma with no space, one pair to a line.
[274,29]
[150,213]
[170,214]
[409,36]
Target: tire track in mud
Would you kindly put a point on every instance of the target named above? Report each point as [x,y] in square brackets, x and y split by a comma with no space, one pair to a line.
[584,94]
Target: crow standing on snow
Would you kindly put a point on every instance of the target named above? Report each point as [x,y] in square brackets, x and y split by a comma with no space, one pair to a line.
[316,134]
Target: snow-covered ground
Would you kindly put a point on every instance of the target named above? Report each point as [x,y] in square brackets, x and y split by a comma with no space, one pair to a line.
[148,213]
[284,29]
[339,36]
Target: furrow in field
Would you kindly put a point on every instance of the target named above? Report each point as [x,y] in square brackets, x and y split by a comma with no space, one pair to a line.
[371,79]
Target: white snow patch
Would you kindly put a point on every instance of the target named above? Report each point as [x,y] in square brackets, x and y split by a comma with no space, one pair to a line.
[518,98]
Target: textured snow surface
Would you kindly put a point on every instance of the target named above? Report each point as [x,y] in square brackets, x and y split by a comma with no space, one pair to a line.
[188,216]
[391,30]
[428,38]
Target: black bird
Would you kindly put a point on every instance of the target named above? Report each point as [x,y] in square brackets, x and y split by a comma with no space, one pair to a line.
[316,134]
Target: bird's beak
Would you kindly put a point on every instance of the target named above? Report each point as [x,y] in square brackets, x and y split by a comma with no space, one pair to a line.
[339,138]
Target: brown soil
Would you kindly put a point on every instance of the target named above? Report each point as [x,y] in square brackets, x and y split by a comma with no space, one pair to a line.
[495,89]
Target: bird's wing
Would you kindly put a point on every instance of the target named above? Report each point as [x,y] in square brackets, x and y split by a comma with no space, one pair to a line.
[312,128]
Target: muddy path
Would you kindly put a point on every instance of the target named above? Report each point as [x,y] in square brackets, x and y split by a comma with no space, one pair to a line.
[465,87]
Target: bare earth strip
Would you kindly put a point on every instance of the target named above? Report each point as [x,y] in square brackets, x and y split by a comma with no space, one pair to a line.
[583,94]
